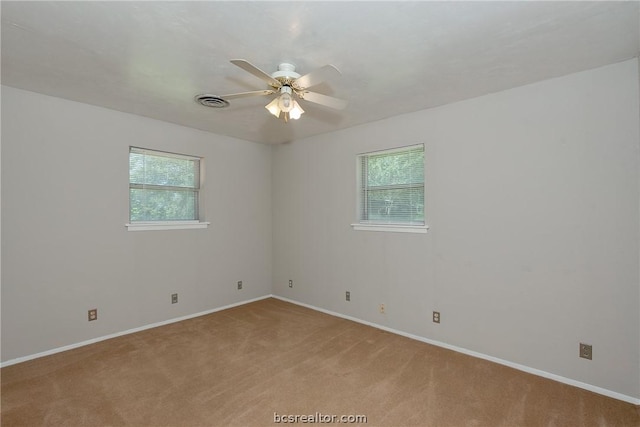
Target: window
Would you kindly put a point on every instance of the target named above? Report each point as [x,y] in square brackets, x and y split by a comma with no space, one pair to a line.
[391,190]
[164,190]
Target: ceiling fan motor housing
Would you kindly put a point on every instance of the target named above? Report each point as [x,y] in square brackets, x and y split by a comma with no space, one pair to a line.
[286,73]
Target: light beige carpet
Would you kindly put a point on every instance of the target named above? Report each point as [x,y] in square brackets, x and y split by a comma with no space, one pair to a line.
[245,366]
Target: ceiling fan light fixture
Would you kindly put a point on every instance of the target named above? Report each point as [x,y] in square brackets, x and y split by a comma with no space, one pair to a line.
[285,101]
[273,107]
[296,111]
[285,104]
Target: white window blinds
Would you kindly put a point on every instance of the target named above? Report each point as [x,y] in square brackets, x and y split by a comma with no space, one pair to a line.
[163,186]
[391,186]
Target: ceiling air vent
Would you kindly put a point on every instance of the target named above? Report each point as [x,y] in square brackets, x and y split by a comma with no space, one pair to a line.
[211,101]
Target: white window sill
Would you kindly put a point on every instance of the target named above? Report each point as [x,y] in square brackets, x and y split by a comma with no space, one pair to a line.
[166,225]
[394,228]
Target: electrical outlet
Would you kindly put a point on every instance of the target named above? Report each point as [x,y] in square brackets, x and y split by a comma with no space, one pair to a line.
[239,284]
[347,296]
[436,317]
[290,283]
[586,351]
[174,298]
[381,308]
[93,314]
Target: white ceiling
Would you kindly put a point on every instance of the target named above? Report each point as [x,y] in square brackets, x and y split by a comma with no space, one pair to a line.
[152,58]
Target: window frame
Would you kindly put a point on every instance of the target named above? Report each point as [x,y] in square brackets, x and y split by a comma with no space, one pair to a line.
[373,225]
[164,224]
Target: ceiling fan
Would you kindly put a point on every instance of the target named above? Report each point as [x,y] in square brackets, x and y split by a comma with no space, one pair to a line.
[286,83]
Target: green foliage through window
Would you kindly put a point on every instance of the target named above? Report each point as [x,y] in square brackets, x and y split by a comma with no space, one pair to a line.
[163,186]
[391,187]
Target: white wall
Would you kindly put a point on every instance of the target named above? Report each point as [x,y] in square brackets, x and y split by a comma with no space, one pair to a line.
[65,248]
[532,196]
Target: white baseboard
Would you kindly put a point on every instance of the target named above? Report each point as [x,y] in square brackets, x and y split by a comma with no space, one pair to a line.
[517,366]
[128,331]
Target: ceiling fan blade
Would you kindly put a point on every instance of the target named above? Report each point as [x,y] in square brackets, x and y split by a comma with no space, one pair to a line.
[327,101]
[250,68]
[248,94]
[317,76]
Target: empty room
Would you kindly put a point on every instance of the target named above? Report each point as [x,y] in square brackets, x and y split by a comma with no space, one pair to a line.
[366,213]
